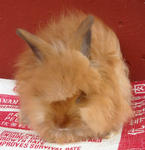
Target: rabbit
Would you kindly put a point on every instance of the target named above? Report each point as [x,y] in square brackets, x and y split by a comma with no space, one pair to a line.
[72,80]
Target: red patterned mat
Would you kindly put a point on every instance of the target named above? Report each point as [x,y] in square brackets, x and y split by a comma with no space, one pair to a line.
[17,137]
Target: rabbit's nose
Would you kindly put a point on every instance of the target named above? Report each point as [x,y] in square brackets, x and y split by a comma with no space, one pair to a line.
[61,121]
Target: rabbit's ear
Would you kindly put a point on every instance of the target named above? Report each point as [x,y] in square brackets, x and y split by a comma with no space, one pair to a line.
[35,43]
[84,35]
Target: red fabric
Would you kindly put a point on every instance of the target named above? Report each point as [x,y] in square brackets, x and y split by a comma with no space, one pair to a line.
[133,134]
[126,17]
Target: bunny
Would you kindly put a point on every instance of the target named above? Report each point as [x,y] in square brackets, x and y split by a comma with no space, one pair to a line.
[72,80]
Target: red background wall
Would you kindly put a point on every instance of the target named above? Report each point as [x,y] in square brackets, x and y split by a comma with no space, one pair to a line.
[126,17]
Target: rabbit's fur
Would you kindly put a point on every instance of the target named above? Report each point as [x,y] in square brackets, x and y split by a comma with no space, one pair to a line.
[72,81]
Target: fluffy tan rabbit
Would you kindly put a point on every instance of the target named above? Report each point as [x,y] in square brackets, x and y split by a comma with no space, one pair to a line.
[72,80]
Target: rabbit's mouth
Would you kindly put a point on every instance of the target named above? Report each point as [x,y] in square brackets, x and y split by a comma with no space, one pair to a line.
[63,129]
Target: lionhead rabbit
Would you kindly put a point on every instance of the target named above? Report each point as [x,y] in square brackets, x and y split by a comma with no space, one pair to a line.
[72,80]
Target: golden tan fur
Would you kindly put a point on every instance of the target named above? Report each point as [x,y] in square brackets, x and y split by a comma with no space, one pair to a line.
[49,88]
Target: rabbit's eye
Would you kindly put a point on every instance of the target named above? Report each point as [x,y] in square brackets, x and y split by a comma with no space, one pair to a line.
[81,97]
